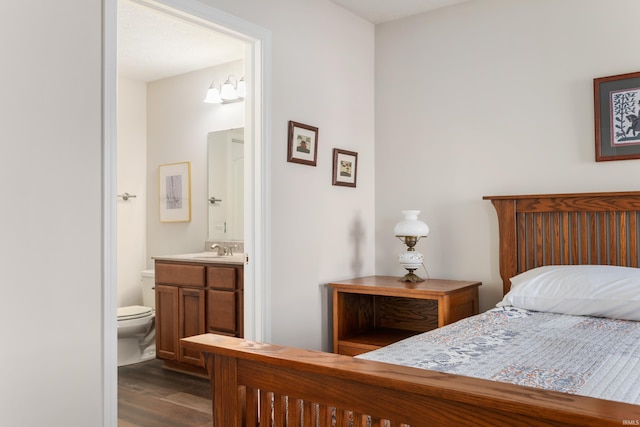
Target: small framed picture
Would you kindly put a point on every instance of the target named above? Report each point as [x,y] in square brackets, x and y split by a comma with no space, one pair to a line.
[175,192]
[617,117]
[345,167]
[303,144]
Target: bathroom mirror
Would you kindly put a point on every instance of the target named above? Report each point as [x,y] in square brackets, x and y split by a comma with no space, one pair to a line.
[225,205]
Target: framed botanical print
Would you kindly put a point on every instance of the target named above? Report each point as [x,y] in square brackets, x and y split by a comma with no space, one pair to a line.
[617,117]
[175,192]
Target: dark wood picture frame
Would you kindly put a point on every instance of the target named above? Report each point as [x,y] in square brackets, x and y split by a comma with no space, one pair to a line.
[617,117]
[303,144]
[345,167]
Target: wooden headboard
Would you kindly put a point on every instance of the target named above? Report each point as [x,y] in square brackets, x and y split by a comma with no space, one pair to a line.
[564,229]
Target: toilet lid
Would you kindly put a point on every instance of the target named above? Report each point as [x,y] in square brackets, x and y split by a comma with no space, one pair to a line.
[134,312]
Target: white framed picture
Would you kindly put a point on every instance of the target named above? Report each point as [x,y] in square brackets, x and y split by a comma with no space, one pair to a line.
[175,192]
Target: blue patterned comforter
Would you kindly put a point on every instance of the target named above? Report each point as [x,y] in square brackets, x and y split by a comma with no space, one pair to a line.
[588,356]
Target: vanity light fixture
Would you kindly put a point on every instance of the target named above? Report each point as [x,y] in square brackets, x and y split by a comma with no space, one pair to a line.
[213,94]
[231,91]
[242,88]
[409,231]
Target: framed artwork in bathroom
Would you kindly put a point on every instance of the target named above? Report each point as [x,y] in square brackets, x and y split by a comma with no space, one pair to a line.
[303,144]
[345,167]
[175,192]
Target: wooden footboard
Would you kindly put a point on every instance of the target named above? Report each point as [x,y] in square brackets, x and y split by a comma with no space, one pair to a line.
[262,384]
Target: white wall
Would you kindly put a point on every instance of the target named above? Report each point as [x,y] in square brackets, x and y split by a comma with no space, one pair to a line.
[51,225]
[322,75]
[132,179]
[50,221]
[178,124]
[496,98]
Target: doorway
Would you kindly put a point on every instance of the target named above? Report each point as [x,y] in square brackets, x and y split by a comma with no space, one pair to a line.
[257,60]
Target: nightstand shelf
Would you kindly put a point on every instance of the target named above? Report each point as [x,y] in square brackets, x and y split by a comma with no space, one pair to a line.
[372,339]
[375,311]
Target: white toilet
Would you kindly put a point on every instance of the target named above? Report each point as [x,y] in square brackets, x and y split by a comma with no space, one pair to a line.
[136,326]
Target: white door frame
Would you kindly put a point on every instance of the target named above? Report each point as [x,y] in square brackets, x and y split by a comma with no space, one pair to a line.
[257,204]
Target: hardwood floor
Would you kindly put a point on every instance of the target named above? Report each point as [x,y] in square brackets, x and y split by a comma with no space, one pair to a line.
[151,396]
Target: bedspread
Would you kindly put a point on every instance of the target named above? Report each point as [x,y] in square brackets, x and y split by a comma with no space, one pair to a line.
[588,356]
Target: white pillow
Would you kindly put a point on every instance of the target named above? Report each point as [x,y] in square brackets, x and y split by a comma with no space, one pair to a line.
[584,290]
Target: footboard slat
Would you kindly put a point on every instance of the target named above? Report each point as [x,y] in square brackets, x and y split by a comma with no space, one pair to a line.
[265,408]
[359,420]
[294,412]
[324,415]
[342,418]
[251,410]
[279,410]
[339,386]
[309,413]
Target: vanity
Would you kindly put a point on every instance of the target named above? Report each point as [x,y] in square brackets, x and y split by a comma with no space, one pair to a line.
[204,292]
[196,294]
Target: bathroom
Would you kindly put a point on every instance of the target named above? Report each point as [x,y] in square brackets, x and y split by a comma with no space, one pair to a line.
[162,120]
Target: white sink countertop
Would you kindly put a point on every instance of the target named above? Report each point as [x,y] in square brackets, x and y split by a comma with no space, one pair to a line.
[211,257]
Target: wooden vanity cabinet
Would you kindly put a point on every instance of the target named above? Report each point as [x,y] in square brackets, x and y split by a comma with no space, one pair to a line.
[193,299]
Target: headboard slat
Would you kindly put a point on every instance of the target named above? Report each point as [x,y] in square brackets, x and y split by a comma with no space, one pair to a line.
[581,228]
[565,238]
[612,255]
[539,244]
[633,240]
[601,237]
[522,250]
[584,242]
[575,238]
[557,254]
[622,241]
[593,239]
[548,248]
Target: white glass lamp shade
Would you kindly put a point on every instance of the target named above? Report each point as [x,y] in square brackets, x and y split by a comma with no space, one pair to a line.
[242,88]
[411,226]
[213,95]
[409,231]
[228,91]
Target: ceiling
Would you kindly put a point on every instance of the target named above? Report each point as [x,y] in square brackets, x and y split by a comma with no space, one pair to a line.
[153,45]
[379,11]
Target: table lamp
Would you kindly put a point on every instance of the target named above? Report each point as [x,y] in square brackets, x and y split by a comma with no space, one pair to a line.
[409,231]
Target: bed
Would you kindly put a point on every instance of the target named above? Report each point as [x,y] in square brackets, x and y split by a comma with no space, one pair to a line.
[263,384]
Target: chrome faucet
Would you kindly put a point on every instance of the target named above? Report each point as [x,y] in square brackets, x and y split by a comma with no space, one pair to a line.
[221,250]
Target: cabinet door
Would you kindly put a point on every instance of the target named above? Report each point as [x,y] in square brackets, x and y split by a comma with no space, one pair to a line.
[166,322]
[191,322]
[222,312]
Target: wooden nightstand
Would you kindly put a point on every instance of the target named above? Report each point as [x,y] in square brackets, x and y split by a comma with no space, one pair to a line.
[371,312]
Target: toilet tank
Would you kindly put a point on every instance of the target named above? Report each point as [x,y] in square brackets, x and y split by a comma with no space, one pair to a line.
[148,288]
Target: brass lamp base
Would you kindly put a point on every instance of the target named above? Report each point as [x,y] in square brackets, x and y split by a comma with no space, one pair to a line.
[411,277]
